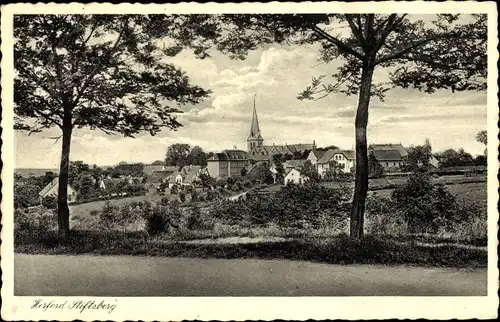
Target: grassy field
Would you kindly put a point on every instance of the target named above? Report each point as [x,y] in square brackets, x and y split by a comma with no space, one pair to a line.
[464,192]
[84,210]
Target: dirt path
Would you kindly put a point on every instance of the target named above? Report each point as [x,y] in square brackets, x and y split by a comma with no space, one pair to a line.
[83,275]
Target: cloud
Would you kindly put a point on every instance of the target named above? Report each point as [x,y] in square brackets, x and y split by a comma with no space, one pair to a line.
[277,74]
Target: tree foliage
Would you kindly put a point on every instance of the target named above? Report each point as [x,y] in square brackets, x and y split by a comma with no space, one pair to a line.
[418,158]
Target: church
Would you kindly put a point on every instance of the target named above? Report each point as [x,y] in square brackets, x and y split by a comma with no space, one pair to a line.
[259,152]
[230,162]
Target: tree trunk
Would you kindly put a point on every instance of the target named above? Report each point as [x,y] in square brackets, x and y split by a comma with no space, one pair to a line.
[62,200]
[361,181]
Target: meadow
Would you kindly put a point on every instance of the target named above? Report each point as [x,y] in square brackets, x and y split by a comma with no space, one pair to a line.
[311,221]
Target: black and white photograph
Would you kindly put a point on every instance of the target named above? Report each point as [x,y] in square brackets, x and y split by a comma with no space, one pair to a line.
[249,152]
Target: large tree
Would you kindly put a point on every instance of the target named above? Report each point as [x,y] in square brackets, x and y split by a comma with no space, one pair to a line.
[104,72]
[429,53]
[177,155]
[197,156]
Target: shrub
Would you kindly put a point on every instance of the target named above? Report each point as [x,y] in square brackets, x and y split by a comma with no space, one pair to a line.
[34,224]
[109,215]
[26,195]
[294,207]
[182,196]
[174,190]
[160,218]
[235,187]
[157,220]
[423,204]
[247,184]
[50,202]
[194,195]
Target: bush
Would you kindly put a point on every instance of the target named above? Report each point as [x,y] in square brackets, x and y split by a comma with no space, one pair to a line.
[292,207]
[157,220]
[194,195]
[50,202]
[174,190]
[424,204]
[235,188]
[34,224]
[247,184]
[160,218]
[182,196]
[108,218]
[26,195]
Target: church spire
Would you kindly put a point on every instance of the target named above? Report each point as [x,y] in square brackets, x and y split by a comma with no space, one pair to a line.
[255,139]
[254,129]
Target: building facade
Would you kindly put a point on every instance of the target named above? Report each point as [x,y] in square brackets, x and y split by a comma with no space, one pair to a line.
[227,163]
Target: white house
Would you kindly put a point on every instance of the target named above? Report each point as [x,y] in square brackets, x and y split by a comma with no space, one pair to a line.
[295,177]
[52,189]
[346,159]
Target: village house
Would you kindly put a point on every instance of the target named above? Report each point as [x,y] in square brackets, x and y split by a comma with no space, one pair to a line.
[52,189]
[390,156]
[295,177]
[344,159]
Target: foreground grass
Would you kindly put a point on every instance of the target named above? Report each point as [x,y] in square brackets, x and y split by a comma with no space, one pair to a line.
[337,250]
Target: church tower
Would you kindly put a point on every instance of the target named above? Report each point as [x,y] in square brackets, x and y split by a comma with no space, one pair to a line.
[255,138]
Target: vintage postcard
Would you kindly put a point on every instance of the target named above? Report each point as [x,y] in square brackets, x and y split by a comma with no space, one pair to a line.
[254,161]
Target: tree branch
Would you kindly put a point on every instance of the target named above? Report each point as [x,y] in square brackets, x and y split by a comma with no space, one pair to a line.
[356,30]
[389,27]
[343,47]
[99,65]
[406,50]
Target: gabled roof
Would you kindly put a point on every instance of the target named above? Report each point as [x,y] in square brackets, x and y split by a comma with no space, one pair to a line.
[294,163]
[327,156]
[150,168]
[260,157]
[389,147]
[159,176]
[387,155]
[348,154]
[229,155]
[189,168]
[51,185]
[318,153]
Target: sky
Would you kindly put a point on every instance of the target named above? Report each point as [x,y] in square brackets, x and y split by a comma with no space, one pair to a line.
[277,75]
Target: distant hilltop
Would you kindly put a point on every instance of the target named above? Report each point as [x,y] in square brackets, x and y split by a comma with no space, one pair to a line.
[34,172]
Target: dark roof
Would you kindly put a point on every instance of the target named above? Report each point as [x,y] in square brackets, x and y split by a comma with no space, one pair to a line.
[294,163]
[229,155]
[327,156]
[159,176]
[389,147]
[387,155]
[348,154]
[318,153]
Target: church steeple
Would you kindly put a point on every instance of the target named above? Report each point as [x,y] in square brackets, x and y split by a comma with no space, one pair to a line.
[255,138]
